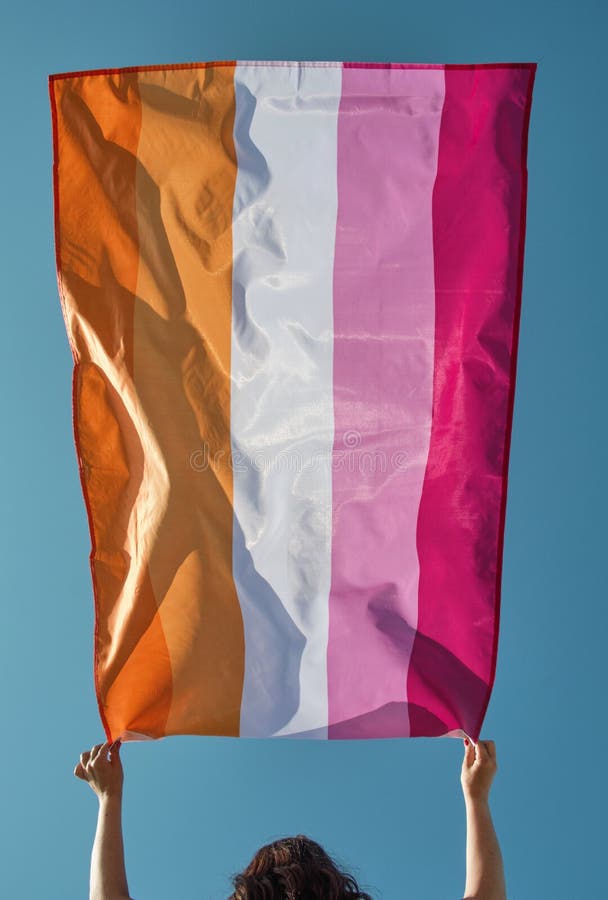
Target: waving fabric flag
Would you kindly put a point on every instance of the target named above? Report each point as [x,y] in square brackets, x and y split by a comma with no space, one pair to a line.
[292,293]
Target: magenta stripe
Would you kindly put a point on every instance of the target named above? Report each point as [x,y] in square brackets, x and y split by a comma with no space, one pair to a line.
[388,134]
[479,225]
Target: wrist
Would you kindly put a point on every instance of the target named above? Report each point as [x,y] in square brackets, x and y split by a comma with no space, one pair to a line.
[477,801]
[110,796]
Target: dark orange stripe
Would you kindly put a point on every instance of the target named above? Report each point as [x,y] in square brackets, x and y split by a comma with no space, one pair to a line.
[160,67]
[96,124]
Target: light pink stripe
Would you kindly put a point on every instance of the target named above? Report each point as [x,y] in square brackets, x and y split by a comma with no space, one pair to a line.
[388,134]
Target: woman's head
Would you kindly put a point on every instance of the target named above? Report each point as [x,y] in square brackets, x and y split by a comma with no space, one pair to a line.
[294,868]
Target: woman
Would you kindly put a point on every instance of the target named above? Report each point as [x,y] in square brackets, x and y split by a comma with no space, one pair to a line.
[294,868]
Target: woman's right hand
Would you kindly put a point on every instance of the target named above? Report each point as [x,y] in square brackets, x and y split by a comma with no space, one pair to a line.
[478,769]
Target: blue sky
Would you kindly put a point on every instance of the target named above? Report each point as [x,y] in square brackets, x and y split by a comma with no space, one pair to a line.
[391,811]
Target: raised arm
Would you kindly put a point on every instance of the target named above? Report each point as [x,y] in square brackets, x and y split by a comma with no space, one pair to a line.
[102,769]
[485,879]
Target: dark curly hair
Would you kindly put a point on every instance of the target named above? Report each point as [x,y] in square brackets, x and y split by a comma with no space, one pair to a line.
[294,868]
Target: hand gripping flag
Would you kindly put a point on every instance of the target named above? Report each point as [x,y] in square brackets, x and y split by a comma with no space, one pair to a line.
[292,293]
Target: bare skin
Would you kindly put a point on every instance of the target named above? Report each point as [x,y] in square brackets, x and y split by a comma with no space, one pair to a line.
[485,879]
[101,768]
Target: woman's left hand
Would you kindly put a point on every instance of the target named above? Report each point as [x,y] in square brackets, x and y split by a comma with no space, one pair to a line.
[102,769]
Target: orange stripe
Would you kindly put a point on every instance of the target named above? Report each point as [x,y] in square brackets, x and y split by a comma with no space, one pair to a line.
[182,328]
[96,124]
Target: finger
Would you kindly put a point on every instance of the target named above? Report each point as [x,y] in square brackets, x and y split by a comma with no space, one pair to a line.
[79,772]
[481,754]
[491,748]
[469,754]
[95,752]
[114,750]
[84,758]
[104,750]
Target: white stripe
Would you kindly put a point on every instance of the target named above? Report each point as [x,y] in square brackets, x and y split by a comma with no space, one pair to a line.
[284,221]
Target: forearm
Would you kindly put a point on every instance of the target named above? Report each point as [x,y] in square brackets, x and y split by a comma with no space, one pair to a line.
[108,875]
[485,879]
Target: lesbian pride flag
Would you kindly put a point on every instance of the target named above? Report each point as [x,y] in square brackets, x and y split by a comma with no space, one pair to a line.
[292,293]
